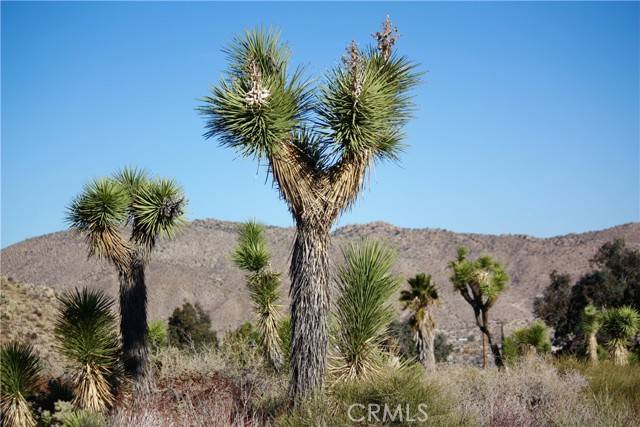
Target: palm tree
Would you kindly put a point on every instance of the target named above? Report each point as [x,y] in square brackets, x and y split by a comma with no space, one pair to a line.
[419,300]
[591,323]
[150,208]
[620,324]
[318,147]
[19,370]
[85,331]
[480,282]
[252,255]
[363,312]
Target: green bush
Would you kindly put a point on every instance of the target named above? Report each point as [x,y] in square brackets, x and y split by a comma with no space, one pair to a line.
[190,328]
[534,337]
[158,334]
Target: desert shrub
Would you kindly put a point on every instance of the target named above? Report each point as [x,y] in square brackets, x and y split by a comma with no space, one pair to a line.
[241,347]
[442,347]
[532,392]
[619,385]
[405,393]
[19,371]
[66,415]
[190,328]
[533,338]
[158,334]
[86,335]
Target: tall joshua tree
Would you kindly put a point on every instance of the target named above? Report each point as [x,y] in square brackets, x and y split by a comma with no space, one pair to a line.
[149,208]
[480,282]
[318,145]
[252,255]
[591,323]
[419,300]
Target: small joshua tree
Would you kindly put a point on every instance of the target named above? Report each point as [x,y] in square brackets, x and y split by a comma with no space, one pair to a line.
[419,301]
[252,255]
[85,331]
[533,339]
[591,323]
[620,325]
[480,282]
[318,145]
[151,208]
[19,370]
[362,310]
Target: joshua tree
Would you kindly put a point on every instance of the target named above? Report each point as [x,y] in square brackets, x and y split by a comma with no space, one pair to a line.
[363,312]
[480,282]
[86,334]
[591,323]
[318,148]
[253,256]
[419,300]
[533,339]
[151,208]
[19,370]
[620,324]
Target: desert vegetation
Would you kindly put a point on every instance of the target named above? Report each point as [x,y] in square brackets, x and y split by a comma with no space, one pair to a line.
[341,355]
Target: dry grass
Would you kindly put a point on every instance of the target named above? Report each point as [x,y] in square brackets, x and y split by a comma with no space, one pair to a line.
[533,392]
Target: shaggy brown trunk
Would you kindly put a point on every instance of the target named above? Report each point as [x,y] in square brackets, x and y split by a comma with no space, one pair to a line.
[592,348]
[133,325]
[309,309]
[484,350]
[425,338]
[482,319]
[619,354]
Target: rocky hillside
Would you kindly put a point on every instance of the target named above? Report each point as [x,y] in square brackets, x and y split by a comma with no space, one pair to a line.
[28,314]
[196,266]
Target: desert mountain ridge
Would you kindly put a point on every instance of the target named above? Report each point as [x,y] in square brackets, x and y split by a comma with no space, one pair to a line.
[196,266]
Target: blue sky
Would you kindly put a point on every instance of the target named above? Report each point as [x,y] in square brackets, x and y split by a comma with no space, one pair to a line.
[527,119]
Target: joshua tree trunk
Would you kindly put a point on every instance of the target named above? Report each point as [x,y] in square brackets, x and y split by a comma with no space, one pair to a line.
[482,320]
[133,324]
[619,354]
[309,308]
[592,348]
[425,338]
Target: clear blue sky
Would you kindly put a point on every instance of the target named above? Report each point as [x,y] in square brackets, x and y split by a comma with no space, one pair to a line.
[527,120]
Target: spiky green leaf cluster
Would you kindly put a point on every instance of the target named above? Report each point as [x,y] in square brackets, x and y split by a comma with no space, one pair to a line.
[483,275]
[86,329]
[362,311]
[256,130]
[423,292]
[252,253]
[264,291]
[19,370]
[535,335]
[335,118]
[368,119]
[158,209]
[591,320]
[153,207]
[620,323]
